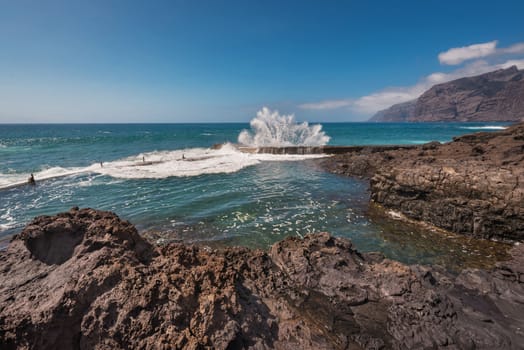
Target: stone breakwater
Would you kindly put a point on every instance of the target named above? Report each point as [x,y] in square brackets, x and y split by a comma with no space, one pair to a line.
[473,185]
[85,279]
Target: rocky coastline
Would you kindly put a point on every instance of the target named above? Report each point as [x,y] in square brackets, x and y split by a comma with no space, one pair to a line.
[85,279]
[473,185]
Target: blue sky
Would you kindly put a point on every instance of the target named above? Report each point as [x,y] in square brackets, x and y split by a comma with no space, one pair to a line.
[217,61]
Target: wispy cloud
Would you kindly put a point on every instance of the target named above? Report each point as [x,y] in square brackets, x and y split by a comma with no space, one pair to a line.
[457,55]
[386,98]
[513,49]
[483,58]
[330,104]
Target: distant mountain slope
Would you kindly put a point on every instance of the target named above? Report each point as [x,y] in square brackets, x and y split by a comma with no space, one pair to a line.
[493,96]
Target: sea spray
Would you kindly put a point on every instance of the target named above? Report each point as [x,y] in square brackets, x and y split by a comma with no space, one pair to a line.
[159,165]
[146,178]
[269,128]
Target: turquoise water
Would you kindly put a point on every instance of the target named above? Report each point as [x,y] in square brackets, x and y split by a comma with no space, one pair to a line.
[165,178]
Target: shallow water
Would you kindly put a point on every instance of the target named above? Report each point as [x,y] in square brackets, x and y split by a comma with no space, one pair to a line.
[165,178]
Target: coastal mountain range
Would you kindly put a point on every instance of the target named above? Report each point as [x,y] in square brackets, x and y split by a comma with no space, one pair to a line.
[494,96]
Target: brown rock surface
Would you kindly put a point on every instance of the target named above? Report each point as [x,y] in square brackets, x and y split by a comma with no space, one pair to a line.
[84,279]
[493,96]
[400,112]
[473,185]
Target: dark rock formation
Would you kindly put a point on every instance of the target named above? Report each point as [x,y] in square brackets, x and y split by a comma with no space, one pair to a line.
[473,185]
[400,112]
[84,279]
[494,96]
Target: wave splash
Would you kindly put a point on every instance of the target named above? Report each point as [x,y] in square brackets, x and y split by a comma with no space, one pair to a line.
[160,164]
[269,128]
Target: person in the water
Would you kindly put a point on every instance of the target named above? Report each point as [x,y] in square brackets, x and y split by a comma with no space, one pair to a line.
[31,180]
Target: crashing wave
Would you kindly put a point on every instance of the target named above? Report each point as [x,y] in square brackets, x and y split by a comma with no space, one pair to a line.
[161,164]
[269,128]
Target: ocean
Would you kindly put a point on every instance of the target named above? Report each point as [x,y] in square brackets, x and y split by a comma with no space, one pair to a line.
[172,185]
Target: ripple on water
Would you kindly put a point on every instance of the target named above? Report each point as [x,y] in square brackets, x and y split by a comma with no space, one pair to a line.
[413,243]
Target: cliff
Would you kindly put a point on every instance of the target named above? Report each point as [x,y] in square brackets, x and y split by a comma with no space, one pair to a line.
[401,112]
[495,96]
[86,280]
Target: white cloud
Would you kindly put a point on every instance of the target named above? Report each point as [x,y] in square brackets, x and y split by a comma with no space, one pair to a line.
[513,49]
[507,64]
[379,100]
[388,97]
[385,98]
[457,55]
[330,104]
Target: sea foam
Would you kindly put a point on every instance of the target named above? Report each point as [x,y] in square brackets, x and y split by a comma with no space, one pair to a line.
[486,127]
[269,128]
[188,162]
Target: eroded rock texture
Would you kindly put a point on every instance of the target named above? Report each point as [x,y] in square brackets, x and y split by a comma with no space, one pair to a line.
[473,185]
[84,279]
[493,96]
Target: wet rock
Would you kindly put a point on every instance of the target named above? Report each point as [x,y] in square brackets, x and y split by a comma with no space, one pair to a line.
[473,185]
[85,279]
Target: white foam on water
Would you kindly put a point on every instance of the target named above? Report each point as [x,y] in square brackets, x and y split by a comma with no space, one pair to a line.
[161,164]
[15,180]
[8,180]
[187,162]
[20,179]
[486,127]
[7,221]
[419,142]
[269,128]
[264,157]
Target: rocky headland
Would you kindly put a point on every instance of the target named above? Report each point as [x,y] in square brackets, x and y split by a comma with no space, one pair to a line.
[493,96]
[473,185]
[84,279]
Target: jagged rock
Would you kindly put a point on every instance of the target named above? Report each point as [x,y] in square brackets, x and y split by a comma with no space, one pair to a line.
[493,96]
[84,279]
[400,112]
[473,185]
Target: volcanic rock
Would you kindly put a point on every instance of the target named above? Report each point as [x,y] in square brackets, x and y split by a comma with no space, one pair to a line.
[400,112]
[85,279]
[493,96]
[473,185]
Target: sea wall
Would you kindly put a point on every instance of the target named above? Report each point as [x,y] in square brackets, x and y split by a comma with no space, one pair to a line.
[85,279]
[319,149]
[473,185]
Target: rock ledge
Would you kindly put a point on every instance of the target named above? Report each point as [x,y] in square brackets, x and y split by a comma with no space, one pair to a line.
[85,279]
[473,185]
